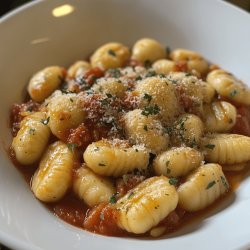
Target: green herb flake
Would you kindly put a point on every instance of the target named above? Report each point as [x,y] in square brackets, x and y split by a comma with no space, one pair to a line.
[136,150]
[71,99]
[138,78]
[32,131]
[104,102]
[224,182]
[109,95]
[45,121]
[114,73]
[72,146]
[101,164]
[151,110]
[113,198]
[150,74]
[233,93]
[111,52]
[96,149]
[147,97]
[131,194]
[211,184]
[173,181]
[145,127]
[210,146]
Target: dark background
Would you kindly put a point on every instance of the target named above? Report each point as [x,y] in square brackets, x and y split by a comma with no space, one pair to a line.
[7,5]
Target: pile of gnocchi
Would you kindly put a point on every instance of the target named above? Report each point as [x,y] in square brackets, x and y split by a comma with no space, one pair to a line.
[139,137]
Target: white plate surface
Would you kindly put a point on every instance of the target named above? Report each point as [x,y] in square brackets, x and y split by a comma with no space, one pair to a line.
[32,38]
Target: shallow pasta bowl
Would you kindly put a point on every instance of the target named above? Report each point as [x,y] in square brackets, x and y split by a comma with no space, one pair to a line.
[60,32]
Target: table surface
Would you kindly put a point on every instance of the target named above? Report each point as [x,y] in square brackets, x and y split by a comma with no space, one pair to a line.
[6,6]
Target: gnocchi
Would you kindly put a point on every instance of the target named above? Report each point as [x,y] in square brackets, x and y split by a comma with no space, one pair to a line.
[53,177]
[32,129]
[132,140]
[43,83]
[203,187]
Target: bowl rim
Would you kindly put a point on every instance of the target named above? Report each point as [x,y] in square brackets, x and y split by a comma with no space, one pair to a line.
[8,239]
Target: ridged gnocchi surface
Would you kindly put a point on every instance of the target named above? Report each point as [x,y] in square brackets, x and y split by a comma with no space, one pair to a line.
[177,162]
[229,86]
[226,148]
[202,187]
[93,189]
[33,129]
[43,83]
[146,130]
[53,177]
[219,116]
[115,159]
[146,205]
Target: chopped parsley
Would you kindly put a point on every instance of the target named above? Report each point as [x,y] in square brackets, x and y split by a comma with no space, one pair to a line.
[114,73]
[145,127]
[210,146]
[71,99]
[131,195]
[173,181]
[109,95]
[101,164]
[150,73]
[233,93]
[32,131]
[111,52]
[147,97]
[45,121]
[138,78]
[113,198]
[72,146]
[224,182]
[151,110]
[211,184]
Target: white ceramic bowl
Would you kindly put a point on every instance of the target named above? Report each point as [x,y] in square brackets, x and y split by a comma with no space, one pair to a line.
[35,36]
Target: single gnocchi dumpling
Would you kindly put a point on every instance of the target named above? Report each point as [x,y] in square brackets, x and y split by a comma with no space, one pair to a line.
[32,138]
[202,187]
[163,66]
[146,205]
[115,158]
[195,62]
[226,149]
[188,130]
[190,91]
[229,86]
[110,86]
[219,116]
[177,162]
[77,69]
[65,112]
[92,188]
[147,49]
[45,82]
[146,130]
[158,97]
[109,56]
[53,177]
